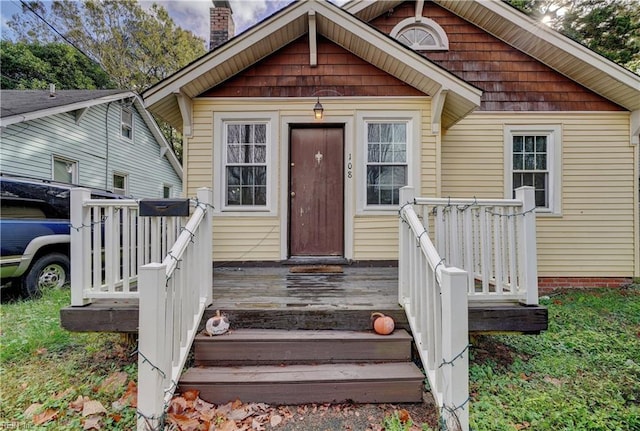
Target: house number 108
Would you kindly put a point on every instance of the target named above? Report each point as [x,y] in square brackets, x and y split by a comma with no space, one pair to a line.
[349,167]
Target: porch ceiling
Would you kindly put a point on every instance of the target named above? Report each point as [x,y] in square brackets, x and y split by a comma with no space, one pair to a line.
[289,24]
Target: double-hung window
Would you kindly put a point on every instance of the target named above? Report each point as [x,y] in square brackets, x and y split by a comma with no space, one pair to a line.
[386,161]
[245,152]
[532,155]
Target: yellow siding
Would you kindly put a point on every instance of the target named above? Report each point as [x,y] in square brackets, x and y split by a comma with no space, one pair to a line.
[594,236]
[246,238]
[376,238]
[260,237]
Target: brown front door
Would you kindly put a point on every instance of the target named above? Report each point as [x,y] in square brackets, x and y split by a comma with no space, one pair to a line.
[316,192]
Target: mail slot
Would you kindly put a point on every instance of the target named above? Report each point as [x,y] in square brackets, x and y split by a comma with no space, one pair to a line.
[164,207]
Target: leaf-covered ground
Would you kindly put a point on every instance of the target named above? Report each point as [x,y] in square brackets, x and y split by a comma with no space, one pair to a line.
[581,374]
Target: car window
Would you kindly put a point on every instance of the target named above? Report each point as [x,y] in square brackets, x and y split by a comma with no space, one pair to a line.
[21,210]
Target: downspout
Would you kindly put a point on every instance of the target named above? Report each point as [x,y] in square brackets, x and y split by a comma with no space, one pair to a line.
[106,159]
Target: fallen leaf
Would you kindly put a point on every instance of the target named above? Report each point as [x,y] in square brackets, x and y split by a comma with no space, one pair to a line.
[184,423]
[92,423]
[227,426]
[46,416]
[236,404]
[114,382]
[93,407]
[275,420]
[523,425]
[41,351]
[32,410]
[403,415]
[191,395]
[177,406]
[128,399]
[78,404]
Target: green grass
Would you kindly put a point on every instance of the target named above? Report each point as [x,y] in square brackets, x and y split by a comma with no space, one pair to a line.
[581,374]
[42,363]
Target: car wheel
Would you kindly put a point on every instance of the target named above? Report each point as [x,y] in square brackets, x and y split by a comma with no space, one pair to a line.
[49,271]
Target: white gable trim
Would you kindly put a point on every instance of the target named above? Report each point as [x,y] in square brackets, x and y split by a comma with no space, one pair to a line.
[335,24]
[28,116]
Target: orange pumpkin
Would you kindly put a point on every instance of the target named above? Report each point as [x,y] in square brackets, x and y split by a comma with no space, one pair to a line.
[383,325]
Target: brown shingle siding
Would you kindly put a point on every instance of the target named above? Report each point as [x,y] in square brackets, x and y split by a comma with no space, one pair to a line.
[510,79]
[287,73]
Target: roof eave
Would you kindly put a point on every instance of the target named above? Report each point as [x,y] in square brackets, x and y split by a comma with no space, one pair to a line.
[279,30]
[536,39]
[28,116]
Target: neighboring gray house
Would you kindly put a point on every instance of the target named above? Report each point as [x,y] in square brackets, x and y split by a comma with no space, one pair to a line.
[95,138]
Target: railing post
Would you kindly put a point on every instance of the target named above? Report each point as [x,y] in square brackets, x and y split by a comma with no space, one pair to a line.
[205,196]
[153,371]
[455,346]
[80,245]
[407,195]
[528,250]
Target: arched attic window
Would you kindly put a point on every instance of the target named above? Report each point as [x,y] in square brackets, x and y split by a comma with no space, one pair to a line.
[421,34]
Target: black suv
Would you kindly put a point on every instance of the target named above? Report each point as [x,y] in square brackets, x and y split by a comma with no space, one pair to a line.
[34,232]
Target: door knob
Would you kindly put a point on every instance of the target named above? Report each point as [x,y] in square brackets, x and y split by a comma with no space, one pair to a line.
[293,194]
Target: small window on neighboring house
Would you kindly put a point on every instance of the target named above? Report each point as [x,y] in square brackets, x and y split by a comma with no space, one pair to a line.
[387,169]
[246,164]
[120,184]
[127,123]
[65,170]
[421,35]
[532,155]
[166,191]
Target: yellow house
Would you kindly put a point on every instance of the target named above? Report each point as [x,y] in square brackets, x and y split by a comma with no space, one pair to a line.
[307,124]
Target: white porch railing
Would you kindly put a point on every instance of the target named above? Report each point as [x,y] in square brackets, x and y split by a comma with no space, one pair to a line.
[110,242]
[173,297]
[435,300]
[493,240]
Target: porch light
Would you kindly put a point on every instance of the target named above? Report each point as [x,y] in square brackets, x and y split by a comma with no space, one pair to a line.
[318,110]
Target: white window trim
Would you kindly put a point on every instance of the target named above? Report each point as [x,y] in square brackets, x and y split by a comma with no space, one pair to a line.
[126,182]
[123,124]
[554,159]
[429,25]
[73,163]
[412,118]
[219,157]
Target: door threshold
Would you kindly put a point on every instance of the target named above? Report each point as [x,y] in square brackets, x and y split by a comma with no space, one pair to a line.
[317,260]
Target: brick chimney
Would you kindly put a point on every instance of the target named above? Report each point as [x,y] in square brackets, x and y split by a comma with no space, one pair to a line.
[221,21]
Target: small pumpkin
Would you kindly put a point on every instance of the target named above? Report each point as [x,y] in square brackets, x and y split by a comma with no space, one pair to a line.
[218,324]
[383,325]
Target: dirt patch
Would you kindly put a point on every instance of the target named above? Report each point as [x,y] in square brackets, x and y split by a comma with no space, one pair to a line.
[354,417]
[487,349]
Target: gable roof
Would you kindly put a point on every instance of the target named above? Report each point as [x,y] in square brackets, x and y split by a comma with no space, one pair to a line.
[336,25]
[535,39]
[18,106]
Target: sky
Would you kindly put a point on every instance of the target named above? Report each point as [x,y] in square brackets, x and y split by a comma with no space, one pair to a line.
[190,14]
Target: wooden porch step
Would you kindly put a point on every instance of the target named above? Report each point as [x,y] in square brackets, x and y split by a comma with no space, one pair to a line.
[299,384]
[264,346]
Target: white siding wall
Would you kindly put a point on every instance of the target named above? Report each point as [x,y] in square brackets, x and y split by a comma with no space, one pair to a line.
[27,149]
[594,235]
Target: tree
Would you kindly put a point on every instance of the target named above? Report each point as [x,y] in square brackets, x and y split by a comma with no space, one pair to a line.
[35,66]
[608,27]
[136,47]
